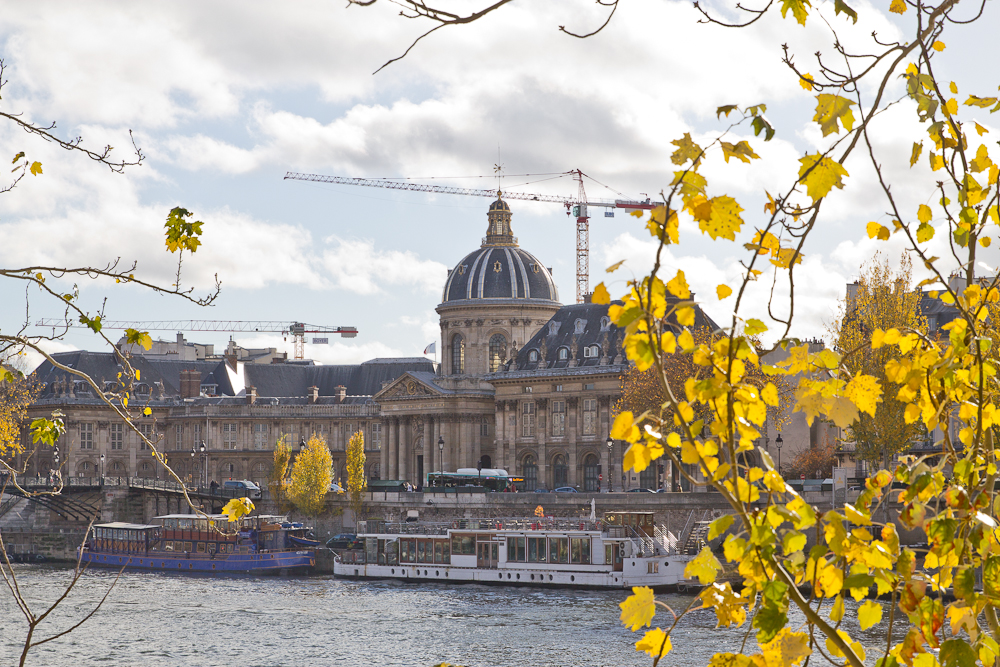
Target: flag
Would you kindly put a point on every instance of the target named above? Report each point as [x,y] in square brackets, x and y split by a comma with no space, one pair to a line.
[430,349]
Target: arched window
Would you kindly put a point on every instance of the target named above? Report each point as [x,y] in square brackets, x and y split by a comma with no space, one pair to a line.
[591,470]
[486,461]
[563,353]
[591,351]
[457,354]
[560,471]
[498,351]
[532,356]
[529,470]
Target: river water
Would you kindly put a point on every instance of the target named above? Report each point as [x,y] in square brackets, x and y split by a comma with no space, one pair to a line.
[170,620]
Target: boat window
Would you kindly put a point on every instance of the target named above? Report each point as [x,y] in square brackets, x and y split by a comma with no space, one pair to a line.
[438,551]
[201,547]
[580,550]
[187,547]
[536,549]
[404,551]
[446,550]
[558,550]
[463,545]
[392,552]
[184,524]
[420,550]
[516,550]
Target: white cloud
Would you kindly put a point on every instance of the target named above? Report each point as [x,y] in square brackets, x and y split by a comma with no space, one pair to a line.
[355,265]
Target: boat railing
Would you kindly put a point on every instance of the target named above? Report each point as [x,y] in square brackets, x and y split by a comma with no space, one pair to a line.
[509,524]
[658,544]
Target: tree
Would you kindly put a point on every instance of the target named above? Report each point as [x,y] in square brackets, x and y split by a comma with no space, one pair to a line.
[884,299]
[947,382]
[820,459]
[277,479]
[357,485]
[17,393]
[311,477]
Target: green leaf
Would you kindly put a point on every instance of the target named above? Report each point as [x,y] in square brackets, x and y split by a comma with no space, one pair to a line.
[840,6]
[964,584]
[724,109]
[17,157]
[760,125]
[768,620]
[991,578]
[719,526]
[957,653]
[182,235]
[94,323]
[141,338]
[47,431]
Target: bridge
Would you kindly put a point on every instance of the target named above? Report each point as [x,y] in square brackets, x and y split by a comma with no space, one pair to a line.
[80,498]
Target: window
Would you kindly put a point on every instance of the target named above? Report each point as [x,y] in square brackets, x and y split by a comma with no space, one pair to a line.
[457,354]
[376,435]
[591,470]
[563,353]
[530,471]
[579,549]
[260,436]
[588,387]
[86,436]
[536,550]
[229,436]
[647,478]
[484,429]
[560,472]
[117,436]
[558,550]
[498,351]
[557,387]
[528,419]
[591,351]
[652,567]
[558,418]
[463,544]
[196,431]
[178,436]
[532,356]
[590,416]
[147,433]
[516,550]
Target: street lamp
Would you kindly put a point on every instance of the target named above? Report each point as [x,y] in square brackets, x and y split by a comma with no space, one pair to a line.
[204,464]
[302,445]
[778,442]
[611,484]
[441,452]
[479,467]
[55,458]
[102,469]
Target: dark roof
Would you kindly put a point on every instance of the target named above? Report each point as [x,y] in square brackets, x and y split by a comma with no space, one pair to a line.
[575,328]
[500,272]
[360,380]
[103,366]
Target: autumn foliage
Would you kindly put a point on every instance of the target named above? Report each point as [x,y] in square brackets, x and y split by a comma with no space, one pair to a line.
[312,472]
[357,485]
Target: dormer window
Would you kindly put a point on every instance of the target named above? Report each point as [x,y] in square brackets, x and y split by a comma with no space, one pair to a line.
[605,323]
[533,356]
[553,328]
[563,353]
[580,325]
[591,351]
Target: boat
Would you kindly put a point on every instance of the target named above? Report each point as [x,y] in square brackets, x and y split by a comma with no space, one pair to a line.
[203,544]
[622,550]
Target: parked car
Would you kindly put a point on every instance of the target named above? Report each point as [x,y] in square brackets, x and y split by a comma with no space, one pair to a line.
[343,541]
[337,488]
[566,489]
[541,490]
[249,489]
[641,491]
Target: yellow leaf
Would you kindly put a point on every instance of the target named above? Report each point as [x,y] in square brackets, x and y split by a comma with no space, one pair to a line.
[865,392]
[953,87]
[938,46]
[982,161]
[798,7]
[624,428]
[687,150]
[637,457]
[924,213]
[787,648]
[147,411]
[951,106]
[897,7]
[678,286]
[685,340]
[600,295]
[237,508]
[875,230]
[820,175]
[924,233]
[985,241]
[705,566]
[833,108]
[36,168]
[741,151]
[685,316]
[718,216]
[723,291]
[937,162]
[617,265]
[806,81]
[770,394]
[656,643]
[659,223]
[869,614]
[980,129]
[842,412]
[638,609]
[915,153]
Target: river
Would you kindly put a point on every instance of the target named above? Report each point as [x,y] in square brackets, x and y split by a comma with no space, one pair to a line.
[170,620]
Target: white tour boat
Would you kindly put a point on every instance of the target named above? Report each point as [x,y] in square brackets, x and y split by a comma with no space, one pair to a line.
[626,549]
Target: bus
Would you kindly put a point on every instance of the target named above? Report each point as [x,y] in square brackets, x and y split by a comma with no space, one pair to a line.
[492,479]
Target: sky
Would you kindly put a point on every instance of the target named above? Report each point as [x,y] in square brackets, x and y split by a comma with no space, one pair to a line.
[224,98]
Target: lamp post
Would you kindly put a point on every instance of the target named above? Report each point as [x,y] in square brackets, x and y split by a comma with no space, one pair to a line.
[611,484]
[778,442]
[204,464]
[55,459]
[479,467]
[441,452]
[102,469]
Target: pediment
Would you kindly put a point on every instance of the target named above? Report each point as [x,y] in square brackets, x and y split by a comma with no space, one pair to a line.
[407,386]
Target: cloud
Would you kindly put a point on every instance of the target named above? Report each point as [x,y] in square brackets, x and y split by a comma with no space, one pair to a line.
[337,352]
[355,265]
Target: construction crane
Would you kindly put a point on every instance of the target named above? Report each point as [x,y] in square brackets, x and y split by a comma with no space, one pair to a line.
[575,206]
[298,330]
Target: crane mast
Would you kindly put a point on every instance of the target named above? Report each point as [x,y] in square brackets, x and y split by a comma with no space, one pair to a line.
[577,206]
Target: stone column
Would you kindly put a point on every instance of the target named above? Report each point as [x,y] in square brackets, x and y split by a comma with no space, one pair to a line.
[391,471]
[405,448]
[541,406]
[571,442]
[430,444]
[384,453]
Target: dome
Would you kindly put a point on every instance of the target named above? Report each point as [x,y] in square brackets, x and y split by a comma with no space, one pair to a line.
[500,273]
[500,269]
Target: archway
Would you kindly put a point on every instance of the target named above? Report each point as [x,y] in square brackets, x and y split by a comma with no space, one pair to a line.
[529,470]
[591,472]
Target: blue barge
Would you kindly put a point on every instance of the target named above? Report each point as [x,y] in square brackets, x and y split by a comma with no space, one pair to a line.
[206,545]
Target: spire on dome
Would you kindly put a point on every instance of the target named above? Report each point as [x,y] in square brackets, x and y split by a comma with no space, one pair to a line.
[499,233]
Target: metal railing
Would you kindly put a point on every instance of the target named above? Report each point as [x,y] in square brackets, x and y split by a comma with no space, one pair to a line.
[510,524]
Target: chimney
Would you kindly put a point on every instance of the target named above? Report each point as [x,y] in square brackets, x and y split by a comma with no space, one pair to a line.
[340,392]
[190,384]
[251,395]
[313,394]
